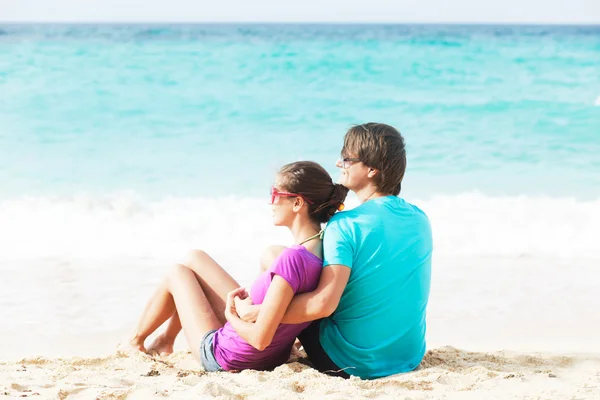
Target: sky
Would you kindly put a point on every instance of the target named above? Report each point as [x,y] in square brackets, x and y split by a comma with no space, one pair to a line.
[453,11]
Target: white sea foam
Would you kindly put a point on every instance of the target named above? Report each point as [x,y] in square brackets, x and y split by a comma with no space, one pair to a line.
[471,224]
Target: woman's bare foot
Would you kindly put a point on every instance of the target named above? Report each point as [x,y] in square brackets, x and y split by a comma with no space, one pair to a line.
[137,343]
[162,345]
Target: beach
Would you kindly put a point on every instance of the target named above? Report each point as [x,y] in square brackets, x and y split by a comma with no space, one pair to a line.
[506,337]
[124,146]
[446,372]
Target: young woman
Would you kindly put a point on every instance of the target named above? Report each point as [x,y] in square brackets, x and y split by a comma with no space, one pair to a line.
[200,296]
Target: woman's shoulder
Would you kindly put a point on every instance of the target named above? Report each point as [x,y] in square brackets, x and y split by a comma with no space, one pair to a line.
[298,254]
[290,253]
[296,250]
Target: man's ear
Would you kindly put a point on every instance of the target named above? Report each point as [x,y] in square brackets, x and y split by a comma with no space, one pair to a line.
[372,172]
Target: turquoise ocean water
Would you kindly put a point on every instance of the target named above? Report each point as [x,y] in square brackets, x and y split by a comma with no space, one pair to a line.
[209,110]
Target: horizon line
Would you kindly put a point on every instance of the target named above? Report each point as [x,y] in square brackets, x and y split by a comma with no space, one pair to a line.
[284,22]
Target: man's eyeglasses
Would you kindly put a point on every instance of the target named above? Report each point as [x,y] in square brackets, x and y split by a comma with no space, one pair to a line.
[347,161]
[276,194]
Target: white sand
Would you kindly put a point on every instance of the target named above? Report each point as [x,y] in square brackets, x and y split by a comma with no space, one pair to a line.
[543,310]
[446,373]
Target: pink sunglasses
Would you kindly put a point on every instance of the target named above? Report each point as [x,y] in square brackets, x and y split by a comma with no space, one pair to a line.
[276,194]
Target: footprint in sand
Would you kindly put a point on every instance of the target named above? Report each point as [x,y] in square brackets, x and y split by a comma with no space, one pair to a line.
[214,390]
[142,394]
[96,393]
[191,380]
[22,389]
[18,388]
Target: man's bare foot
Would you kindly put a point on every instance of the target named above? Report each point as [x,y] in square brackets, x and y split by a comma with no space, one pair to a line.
[162,345]
[137,343]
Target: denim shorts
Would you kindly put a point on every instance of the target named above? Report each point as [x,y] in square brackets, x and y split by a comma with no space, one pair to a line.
[207,353]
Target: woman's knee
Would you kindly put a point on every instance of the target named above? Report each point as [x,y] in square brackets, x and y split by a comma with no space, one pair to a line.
[177,272]
[194,257]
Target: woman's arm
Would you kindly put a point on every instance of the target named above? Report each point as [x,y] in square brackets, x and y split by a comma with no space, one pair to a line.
[245,309]
[260,334]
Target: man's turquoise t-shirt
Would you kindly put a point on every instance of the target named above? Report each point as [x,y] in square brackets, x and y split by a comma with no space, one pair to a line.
[378,328]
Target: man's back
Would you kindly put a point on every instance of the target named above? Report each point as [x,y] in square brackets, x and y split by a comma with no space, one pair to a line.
[378,328]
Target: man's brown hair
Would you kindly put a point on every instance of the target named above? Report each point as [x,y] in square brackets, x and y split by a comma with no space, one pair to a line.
[378,146]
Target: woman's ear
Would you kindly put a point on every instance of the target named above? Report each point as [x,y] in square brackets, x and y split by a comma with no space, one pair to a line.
[372,172]
[298,203]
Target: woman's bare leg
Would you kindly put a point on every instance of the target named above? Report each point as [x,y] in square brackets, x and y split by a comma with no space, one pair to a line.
[163,343]
[160,308]
[179,295]
[215,283]
[193,307]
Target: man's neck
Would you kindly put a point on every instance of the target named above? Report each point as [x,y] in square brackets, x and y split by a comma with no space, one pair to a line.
[368,193]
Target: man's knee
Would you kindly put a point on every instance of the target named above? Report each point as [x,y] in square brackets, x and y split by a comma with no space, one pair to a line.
[269,255]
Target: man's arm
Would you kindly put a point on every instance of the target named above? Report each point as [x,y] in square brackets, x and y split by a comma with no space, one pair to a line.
[323,301]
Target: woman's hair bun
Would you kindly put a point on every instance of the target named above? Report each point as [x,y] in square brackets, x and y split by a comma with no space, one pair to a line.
[336,202]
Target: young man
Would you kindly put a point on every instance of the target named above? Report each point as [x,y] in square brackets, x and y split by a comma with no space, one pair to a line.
[369,307]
